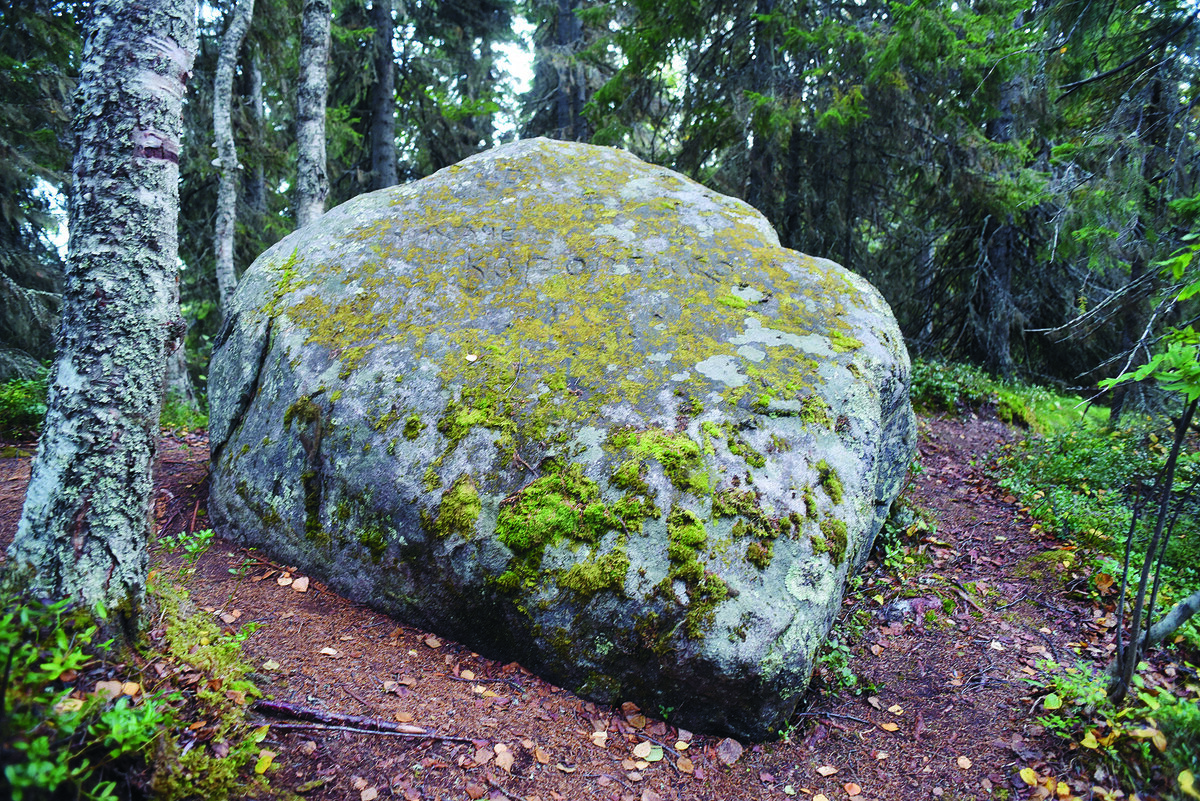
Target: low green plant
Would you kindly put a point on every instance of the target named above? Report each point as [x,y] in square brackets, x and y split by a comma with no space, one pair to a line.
[22,406]
[179,415]
[194,543]
[834,664]
[55,740]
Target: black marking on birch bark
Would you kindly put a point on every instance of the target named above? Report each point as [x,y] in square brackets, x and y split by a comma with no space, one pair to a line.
[79,525]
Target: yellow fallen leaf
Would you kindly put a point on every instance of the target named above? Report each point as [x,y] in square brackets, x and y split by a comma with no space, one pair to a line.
[896,709]
[541,755]
[1187,783]
[264,761]
[284,581]
[270,664]
[469,675]
[827,770]
[680,745]
[404,717]
[1029,776]
[131,688]
[820,797]
[329,651]
[1052,701]
[566,768]
[1089,740]
[600,739]
[68,705]
[889,727]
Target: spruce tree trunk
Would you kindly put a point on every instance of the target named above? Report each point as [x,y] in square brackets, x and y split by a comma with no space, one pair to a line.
[312,179]
[86,518]
[383,100]
[227,186]
[256,182]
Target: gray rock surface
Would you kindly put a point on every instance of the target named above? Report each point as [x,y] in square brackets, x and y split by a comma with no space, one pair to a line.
[570,409]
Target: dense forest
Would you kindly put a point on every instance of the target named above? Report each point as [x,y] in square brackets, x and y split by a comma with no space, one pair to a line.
[1007,174]
[1021,181]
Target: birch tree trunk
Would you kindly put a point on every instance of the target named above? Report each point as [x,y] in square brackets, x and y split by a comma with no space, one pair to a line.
[86,519]
[227,186]
[312,180]
[383,100]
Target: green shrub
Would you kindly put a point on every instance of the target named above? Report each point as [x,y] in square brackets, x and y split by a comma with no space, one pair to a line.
[22,407]
[62,737]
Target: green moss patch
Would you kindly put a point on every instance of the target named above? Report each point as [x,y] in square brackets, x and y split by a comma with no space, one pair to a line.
[604,573]
[679,455]
[458,510]
[830,481]
[686,536]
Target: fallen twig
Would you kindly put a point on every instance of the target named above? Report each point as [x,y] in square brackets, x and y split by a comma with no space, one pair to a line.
[349,722]
[424,735]
[831,715]
[478,680]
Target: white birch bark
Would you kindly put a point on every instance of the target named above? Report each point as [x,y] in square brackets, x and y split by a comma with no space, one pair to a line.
[229,170]
[312,181]
[86,518]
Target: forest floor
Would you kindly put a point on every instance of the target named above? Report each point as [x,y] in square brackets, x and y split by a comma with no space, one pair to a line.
[929,696]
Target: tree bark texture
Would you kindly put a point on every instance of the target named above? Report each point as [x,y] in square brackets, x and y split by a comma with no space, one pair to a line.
[255,178]
[561,87]
[229,169]
[384,172]
[312,178]
[86,518]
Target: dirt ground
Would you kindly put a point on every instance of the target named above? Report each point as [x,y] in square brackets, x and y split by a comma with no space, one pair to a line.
[941,706]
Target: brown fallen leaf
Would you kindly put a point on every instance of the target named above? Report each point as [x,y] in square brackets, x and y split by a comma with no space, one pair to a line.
[404,717]
[327,651]
[108,689]
[729,751]
[642,749]
[469,675]
[964,762]
[685,765]
[369,794]
[300,584]
[827,770]
[504,760]
[852,788]
[284,580]
[131,688]
[475,791]
[433,642]
[875,702]
[650,795]
[600,739]
[541,755]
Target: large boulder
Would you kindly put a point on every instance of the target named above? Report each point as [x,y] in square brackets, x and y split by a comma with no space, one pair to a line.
[574,410]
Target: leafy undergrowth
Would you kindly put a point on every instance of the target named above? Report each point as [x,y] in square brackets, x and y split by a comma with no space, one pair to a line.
[23,407]
[955,387]
[87,719]
[1081,481]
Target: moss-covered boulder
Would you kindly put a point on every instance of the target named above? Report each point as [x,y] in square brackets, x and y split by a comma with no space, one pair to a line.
[571,409]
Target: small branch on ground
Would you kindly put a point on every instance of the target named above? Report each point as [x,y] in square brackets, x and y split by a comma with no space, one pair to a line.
[425,735]
[349,722]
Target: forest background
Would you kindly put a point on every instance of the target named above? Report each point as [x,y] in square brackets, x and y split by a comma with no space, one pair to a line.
[1007,174]
[1019,180]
